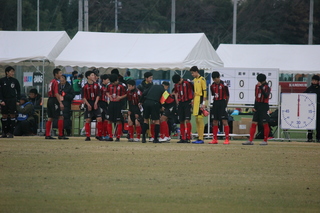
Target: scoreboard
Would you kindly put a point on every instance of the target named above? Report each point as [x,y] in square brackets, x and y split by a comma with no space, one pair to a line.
[242,81]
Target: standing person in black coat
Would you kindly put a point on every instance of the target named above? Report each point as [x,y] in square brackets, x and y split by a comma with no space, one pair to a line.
[67,93]
[315,88]
[151,109]
[9,99]
[147,82]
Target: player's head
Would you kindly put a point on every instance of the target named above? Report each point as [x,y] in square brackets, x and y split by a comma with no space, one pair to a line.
[63,79]
[148,76]
[89,73]
[23,99]
[165,85]
[176,78]
[115,71]
[261,78]
[57,72]
[131,84]
[80,76]
[215,75]
[315,79]
[194,71]
[75,73]
[113,78]
[9,71]
[33,93]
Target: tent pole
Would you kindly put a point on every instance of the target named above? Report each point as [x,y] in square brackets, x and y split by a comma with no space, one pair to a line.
[42,108]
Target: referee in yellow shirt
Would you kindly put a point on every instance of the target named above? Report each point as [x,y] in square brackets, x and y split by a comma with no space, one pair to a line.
[200,96]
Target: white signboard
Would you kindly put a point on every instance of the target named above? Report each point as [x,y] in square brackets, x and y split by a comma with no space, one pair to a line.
[298,111]
[27,79]
[242,83]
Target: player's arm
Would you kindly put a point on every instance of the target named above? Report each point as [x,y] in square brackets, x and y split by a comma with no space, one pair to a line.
[227,94]
[265,92]
[204,88]
[18,92]
[1,96]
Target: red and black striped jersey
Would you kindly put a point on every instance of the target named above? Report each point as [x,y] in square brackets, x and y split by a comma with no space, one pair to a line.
[184,90]
[219,91]
[91,91]
[104,97]
[53,88]
[262,93]
[134,96]
[116,90]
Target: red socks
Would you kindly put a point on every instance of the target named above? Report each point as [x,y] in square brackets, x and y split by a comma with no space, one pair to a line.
[87,128]
[138,131]
[131,131]
[110,130]
[48,128]
[119,130]
[215,132]
[189,128]
[152,130]
[226,131]
[252,131]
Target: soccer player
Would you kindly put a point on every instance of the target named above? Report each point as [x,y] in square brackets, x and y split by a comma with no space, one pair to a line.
[220,94]
[133,96]
[183,90]
[168,110]
[200,96]
[260,109]
[151,109]
[55,106]
[9,99]
[103,104]
[116,92]
[91,94]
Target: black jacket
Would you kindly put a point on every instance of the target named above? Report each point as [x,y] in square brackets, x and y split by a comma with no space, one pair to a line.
[144,86]
[314,88]
[9,89]
[68,95]
[154,93]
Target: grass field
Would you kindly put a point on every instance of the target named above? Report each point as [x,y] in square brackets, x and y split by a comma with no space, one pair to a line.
[38,175]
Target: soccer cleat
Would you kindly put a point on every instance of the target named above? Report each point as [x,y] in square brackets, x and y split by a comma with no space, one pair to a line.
[198,141]
[50,138]
[309,140]
[151,139]
[99,138]
[144,140]
[130,140]
[63,137]
[248,143]
[163,139]
[264,143]
[182,141]
[117,139]
[168,138]
[136,140]
[87,139]
[226,141]
[10,135]
[109,139]
[214,141]
[156,141]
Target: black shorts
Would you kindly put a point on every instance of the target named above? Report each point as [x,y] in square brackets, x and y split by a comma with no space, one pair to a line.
[10,107]
[184,111]
[168,111]
[114,111]
[53,108]
[218,111]
[135,110]
[261,113]
[151,109]
[104,109]
[94,113]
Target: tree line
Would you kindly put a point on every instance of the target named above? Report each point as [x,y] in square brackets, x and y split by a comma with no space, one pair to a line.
[258,21]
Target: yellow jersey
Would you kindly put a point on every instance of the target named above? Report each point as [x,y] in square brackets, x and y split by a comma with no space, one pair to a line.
[200,86]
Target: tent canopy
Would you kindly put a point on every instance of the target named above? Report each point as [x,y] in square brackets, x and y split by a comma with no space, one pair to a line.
[140,51]
[19,46]
[287,58]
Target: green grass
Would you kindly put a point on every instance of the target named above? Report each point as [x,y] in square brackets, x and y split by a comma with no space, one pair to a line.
[40,175]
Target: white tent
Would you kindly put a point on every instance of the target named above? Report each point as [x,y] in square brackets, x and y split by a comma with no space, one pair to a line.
[287,58]
[18,47]
[140,51]
[31,48]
